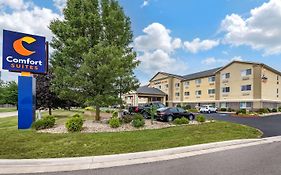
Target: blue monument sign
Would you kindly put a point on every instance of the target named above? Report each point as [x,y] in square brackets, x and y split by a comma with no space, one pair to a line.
[27,54]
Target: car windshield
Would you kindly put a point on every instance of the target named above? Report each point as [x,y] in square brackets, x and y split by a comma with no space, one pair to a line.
[162,109]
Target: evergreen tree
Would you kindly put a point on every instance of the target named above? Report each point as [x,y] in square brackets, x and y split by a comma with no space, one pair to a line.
[93,61]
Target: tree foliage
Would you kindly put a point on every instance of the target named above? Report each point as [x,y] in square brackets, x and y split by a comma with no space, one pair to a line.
[92,60]
[8,93]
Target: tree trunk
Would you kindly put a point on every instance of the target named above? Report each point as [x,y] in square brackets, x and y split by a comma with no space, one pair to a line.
[50,111]
[97,117]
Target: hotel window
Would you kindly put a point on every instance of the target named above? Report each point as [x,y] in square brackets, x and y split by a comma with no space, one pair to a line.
[198,92]
[225,76]
[212,79]
[226,89]
[198,81]
[244,105]
[177,85]
[246,87]
[246,72]
[211,91]
[177,94]
[166,85]
[186,93]
[186,84]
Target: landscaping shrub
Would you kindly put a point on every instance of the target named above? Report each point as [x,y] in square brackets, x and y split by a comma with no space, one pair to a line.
[241,111]
[230,110]
[178,106]
[193,110]
[44,123]
[223,109]
[181,121]
[200,118]
[138,121]
[263,111]
[269,110]
[108,111]
[279,109]
[274,110]
[186,107]
[74,124]
[114,114]
[127,118]
[114,122]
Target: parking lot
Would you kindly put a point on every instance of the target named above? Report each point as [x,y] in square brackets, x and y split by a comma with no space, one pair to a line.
[270,125]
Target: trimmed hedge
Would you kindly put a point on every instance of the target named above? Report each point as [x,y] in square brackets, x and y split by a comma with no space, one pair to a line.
[74,124]
[114,122]
[200,118]
[181,121]
[44,123]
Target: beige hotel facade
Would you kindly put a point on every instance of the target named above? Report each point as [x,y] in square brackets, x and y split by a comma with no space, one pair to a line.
[237,85]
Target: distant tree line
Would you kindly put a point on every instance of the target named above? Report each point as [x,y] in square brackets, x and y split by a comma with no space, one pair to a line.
[8,93]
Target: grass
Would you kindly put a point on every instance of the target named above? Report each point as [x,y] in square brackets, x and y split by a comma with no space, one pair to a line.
[30,144]
[7,109]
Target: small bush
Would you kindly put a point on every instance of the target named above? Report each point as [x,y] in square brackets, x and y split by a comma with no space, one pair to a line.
[44,123]
[230,110]
[114,114]
[200,118]
[269,110]
[263,111]
[241,111]
[279,109]
[223,109]
[114,122]
[181,121]
[138,121]
[274,110]
[178,106]
[74,124]
[127,118]
[108,111]
[193,110]
[89,108]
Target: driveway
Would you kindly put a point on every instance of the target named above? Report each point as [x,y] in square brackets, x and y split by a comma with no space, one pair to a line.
[8,114]
[270,126]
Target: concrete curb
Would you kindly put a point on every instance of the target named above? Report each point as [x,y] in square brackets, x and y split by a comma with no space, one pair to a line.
[21,166]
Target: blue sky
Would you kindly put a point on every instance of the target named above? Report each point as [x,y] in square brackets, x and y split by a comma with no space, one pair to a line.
[177,36]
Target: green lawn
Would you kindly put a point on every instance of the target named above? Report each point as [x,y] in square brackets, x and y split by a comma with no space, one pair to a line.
[28,144]
[7,109]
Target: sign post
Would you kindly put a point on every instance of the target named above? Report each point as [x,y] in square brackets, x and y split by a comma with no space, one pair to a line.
[26,54]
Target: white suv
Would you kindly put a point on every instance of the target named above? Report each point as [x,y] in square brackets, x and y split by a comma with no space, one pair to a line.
[207,109]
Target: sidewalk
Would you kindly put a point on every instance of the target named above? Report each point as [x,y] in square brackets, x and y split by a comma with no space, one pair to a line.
[8,166]
[8,114]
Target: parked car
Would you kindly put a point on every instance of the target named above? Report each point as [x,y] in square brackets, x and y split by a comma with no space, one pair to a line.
[171,113]
[145,109]
[207,109]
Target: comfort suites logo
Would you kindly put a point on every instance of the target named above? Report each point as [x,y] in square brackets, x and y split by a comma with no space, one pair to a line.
[20,49]
[24,53]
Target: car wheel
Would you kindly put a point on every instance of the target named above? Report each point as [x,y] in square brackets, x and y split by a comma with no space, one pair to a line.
[169,118]
[145,115]
[191,117]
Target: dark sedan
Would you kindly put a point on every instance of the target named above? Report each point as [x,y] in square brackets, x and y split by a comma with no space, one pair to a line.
[170,113]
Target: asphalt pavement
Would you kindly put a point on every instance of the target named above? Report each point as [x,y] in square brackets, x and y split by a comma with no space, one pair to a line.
[254,160]
[270,125]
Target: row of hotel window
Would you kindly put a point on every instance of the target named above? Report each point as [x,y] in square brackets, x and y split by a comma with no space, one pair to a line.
[213,91]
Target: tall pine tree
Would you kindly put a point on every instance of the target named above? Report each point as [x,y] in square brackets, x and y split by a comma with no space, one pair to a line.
[93,61]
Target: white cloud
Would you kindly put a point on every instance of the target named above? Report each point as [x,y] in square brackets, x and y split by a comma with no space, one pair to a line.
[197,45]
[157,36]
[33,20]
[145,3]
[159,60]
[155,51]
[13,4]
[260,31]
[60,4]
[219,62]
